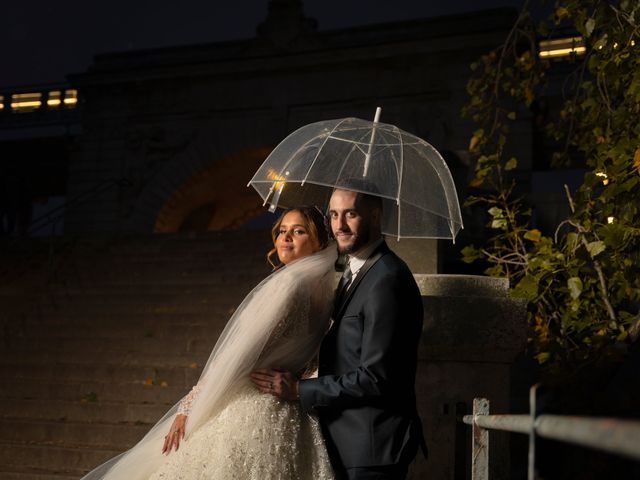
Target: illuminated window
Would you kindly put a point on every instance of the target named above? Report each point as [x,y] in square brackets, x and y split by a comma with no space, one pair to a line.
[55,99]
[1,103]
[26,102]
[70,97]
[562,47]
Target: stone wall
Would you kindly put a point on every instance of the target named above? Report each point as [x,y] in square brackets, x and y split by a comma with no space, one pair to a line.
[472,334]
[158,118]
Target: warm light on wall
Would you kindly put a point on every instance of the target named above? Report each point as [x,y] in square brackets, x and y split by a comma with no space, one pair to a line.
[70,97]
[54,99]
[562,47]
[26,102]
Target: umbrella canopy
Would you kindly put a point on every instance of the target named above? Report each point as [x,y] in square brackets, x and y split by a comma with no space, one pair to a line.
[411,177]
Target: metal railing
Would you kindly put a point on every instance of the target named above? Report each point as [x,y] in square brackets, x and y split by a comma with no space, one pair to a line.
[613,435]
[50,220]
[52,217]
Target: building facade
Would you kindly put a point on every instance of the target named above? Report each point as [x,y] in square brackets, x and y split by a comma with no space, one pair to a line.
[170,137]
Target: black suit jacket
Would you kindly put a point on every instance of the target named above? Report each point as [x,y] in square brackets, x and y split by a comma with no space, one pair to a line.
[365,394]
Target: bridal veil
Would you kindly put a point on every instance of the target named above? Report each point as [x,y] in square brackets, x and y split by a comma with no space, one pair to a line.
[304,286]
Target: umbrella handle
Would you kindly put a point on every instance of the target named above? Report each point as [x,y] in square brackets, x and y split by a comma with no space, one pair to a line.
[367,157]
[276,198]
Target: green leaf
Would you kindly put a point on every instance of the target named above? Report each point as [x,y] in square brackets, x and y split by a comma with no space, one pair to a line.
[595,248]
[612,235]
[575,287]
[470,254]
[561,12]
[511,115]
[496,212]
[589,26]
[542,357]
[511,164]
[527,287]
[499,223]
[572,240]
[533,235]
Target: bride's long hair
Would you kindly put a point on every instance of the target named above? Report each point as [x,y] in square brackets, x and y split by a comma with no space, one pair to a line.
[314,222]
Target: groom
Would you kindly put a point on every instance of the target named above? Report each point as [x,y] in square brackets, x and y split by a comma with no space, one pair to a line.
[364,394]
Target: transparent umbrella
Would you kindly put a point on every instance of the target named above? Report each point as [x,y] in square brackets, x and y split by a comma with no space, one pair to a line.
[416,187]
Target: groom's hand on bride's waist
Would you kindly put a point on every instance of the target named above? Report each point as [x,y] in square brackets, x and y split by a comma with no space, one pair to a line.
[276,382]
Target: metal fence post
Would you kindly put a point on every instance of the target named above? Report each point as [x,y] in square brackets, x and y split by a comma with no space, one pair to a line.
[531,471]
[480,442]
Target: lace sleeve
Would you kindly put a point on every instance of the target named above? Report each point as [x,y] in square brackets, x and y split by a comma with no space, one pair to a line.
[293,324]
[184,408]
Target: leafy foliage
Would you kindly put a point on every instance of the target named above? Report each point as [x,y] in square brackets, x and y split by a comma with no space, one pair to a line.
[583,283]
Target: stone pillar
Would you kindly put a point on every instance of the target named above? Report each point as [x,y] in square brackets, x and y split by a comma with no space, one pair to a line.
[420,255]
[471,336]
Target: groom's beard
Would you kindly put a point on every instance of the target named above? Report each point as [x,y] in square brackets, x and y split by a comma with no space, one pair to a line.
[360,239]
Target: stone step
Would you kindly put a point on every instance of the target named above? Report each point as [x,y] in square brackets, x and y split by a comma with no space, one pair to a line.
[99,341]
[116,359]
[154,242]
[128,288]
[91,390]
[124,359]
[152,273]
[122,289]
[178,327]
[134,335]
[174,376]
[98,269]
[443,285]
[162,278]
[97,353]
[120,310]
[65,460]
[78,411]
[65,434]
[56,309]
[195,333]
[247,255]
[133,341]
[37,474]
[45,315]
[140,303]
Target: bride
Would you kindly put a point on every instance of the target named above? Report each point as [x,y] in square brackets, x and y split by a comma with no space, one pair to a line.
[225,428]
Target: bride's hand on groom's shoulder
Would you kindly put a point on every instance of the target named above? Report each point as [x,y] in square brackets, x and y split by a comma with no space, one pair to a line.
[176,433]
[276,382]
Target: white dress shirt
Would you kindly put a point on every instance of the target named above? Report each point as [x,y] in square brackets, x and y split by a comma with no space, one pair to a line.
[357,260]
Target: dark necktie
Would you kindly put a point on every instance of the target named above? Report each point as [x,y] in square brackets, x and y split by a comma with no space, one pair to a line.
[343,286]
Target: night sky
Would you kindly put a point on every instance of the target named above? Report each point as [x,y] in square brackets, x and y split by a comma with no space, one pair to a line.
[43,41]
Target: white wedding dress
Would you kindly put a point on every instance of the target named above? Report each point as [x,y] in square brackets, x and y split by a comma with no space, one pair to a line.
[233,431]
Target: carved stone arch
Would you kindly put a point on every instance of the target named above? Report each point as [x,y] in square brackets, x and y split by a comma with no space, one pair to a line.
[201,189]
[216,198]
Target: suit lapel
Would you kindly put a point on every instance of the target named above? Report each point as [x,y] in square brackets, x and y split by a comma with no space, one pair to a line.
[377,254]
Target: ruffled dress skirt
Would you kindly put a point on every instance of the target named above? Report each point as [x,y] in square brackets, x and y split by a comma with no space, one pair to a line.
[254,437]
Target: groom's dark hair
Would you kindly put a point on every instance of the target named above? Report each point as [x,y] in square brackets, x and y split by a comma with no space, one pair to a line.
[367,191]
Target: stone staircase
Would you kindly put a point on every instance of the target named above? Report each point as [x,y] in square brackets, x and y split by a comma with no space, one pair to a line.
[99,337]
